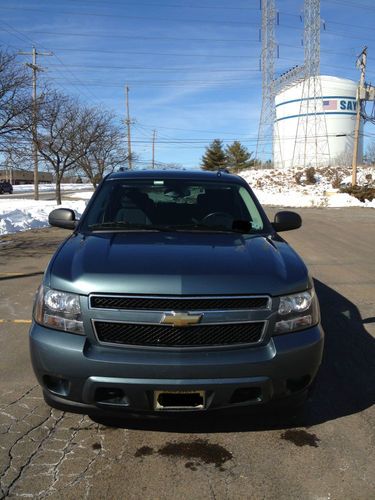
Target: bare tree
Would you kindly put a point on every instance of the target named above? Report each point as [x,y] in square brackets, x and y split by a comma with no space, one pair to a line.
[344,159]
[106,152]
[370,153]
[15,98]
[65,135]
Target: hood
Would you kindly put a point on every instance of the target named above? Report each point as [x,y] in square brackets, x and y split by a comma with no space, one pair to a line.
[176,264]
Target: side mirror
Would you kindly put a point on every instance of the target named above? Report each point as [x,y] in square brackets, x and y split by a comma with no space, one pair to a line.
[63,217]
[285,221]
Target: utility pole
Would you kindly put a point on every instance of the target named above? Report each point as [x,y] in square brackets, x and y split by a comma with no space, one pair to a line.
[361,64]
[153,148]
[35,68]
[127,121]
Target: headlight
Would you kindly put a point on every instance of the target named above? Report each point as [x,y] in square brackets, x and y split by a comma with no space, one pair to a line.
[58,310]
[297,312]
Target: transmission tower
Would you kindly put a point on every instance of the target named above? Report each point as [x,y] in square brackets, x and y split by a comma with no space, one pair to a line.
[311,145]
[268,56]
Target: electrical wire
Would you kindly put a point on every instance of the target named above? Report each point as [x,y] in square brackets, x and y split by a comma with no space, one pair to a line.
[19,34]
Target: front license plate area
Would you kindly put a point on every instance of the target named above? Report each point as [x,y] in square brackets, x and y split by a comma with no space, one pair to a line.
[179,400]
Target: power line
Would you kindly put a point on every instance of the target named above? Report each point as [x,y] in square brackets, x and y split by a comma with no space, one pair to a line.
[194,81]
[137,37]
[351,4]
[173,54]
[158,68]
[132,18]
[185,129]
[19,34]
[190,21]
[115,53]
[191,39]
[177,6]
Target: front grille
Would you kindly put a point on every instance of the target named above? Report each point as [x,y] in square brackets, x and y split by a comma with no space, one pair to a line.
[169,336]
[177,304]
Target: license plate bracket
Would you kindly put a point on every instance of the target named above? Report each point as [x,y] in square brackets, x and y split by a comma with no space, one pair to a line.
[179,400]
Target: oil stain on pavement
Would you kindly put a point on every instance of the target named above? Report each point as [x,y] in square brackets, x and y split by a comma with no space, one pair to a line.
[197,452]
[299,437]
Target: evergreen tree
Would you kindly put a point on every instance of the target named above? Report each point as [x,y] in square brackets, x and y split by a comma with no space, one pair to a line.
[238,157]
[214,157]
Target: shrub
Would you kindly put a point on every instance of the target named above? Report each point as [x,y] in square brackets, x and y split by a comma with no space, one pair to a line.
[362,193]
[297,177]
[336,180]
[310,175]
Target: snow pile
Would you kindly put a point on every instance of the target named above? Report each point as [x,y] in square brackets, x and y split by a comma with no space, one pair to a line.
[83,195]
[29,188]
[281,188]
[21,214]
[290,188]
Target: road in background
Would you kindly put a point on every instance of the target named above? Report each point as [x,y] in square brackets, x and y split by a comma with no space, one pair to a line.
[325,454]
[43,195]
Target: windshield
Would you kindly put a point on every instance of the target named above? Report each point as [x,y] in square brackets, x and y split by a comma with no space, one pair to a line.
[172,205]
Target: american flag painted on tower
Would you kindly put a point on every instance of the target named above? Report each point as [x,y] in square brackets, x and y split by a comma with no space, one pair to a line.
[329,105]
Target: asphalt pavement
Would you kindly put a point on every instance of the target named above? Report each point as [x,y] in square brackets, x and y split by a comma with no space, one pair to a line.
[43,195]
[326,453]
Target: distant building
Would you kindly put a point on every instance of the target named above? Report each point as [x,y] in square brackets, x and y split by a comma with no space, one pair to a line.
[24,177]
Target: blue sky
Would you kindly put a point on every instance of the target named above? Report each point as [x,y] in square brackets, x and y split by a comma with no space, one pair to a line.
[192,66]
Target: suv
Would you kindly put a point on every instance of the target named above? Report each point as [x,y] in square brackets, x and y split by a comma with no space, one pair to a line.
[6,187]
[173,294]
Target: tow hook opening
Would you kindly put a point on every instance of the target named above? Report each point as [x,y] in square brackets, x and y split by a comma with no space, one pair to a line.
[111,396]
[297,384]
[246,395]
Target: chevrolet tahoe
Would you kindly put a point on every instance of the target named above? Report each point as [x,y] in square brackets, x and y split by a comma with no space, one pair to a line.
[174,293]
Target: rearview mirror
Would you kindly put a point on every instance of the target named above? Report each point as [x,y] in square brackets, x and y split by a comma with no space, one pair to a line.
[63,217]
[286,221]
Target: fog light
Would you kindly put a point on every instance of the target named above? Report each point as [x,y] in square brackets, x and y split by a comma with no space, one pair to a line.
[57,385]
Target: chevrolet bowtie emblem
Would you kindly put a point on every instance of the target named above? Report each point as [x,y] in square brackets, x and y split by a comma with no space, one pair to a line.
[180,319]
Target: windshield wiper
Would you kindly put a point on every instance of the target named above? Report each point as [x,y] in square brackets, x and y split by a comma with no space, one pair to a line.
[126,226]
[238,226]
[205,228]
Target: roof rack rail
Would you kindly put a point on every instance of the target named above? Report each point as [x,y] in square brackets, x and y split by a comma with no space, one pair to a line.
[222,170]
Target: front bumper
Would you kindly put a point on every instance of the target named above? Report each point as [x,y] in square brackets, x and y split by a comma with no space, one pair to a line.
[74,372]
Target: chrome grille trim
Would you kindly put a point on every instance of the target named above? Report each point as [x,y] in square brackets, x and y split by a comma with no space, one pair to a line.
[182,301]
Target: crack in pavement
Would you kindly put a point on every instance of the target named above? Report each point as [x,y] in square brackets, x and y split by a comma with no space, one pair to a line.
[8,488]
[42,459]
[55,470]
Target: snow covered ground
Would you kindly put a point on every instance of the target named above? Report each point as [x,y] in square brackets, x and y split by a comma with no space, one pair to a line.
[272,187]
[29,188]
[279,187]
[22,214]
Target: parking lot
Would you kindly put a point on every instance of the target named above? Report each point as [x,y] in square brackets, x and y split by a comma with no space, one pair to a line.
[327,453]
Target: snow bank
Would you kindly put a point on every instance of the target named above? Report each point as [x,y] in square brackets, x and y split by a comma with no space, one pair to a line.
[85,195]
[280,188]
[29,188]
[20,215]
[272,187]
